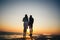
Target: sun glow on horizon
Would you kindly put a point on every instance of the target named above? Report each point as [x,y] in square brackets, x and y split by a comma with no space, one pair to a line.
[28,30]
[45,14]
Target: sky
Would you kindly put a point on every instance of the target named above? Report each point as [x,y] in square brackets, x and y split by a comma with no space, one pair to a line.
[44,12]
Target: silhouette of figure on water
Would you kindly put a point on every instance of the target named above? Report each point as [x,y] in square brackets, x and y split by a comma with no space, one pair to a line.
[25,20]
[31,20]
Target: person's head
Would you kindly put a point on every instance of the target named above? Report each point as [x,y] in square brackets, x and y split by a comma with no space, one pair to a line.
[30,16]
[26,15]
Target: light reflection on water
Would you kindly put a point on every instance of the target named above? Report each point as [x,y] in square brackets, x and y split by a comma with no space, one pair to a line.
[14,36]
[17,36]
[11,36]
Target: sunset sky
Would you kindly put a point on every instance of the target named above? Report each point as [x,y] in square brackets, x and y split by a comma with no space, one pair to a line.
[44,12]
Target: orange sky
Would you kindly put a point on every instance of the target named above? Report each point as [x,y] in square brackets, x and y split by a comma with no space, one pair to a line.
[45,14]
[35,30]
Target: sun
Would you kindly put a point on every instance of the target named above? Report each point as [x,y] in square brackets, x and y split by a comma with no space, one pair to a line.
[28,30]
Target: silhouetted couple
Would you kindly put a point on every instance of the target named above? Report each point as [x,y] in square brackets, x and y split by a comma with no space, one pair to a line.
[28,23]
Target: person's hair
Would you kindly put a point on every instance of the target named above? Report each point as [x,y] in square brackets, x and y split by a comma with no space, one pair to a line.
[26,15]
[30,15]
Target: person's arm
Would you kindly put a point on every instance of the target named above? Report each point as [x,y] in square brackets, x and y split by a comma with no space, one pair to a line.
[33,20]
[23,20]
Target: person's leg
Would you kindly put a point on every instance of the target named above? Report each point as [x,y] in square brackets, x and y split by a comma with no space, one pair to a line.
[31,30]
[24,31]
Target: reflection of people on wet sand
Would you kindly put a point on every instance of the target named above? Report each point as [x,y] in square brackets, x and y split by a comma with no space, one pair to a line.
[25,20]
[31,20]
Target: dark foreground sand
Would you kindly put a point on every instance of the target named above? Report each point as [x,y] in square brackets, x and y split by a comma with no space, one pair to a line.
[17,39]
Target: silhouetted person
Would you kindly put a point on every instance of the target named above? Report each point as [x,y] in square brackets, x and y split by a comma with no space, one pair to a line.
[25,20]
[31,20]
